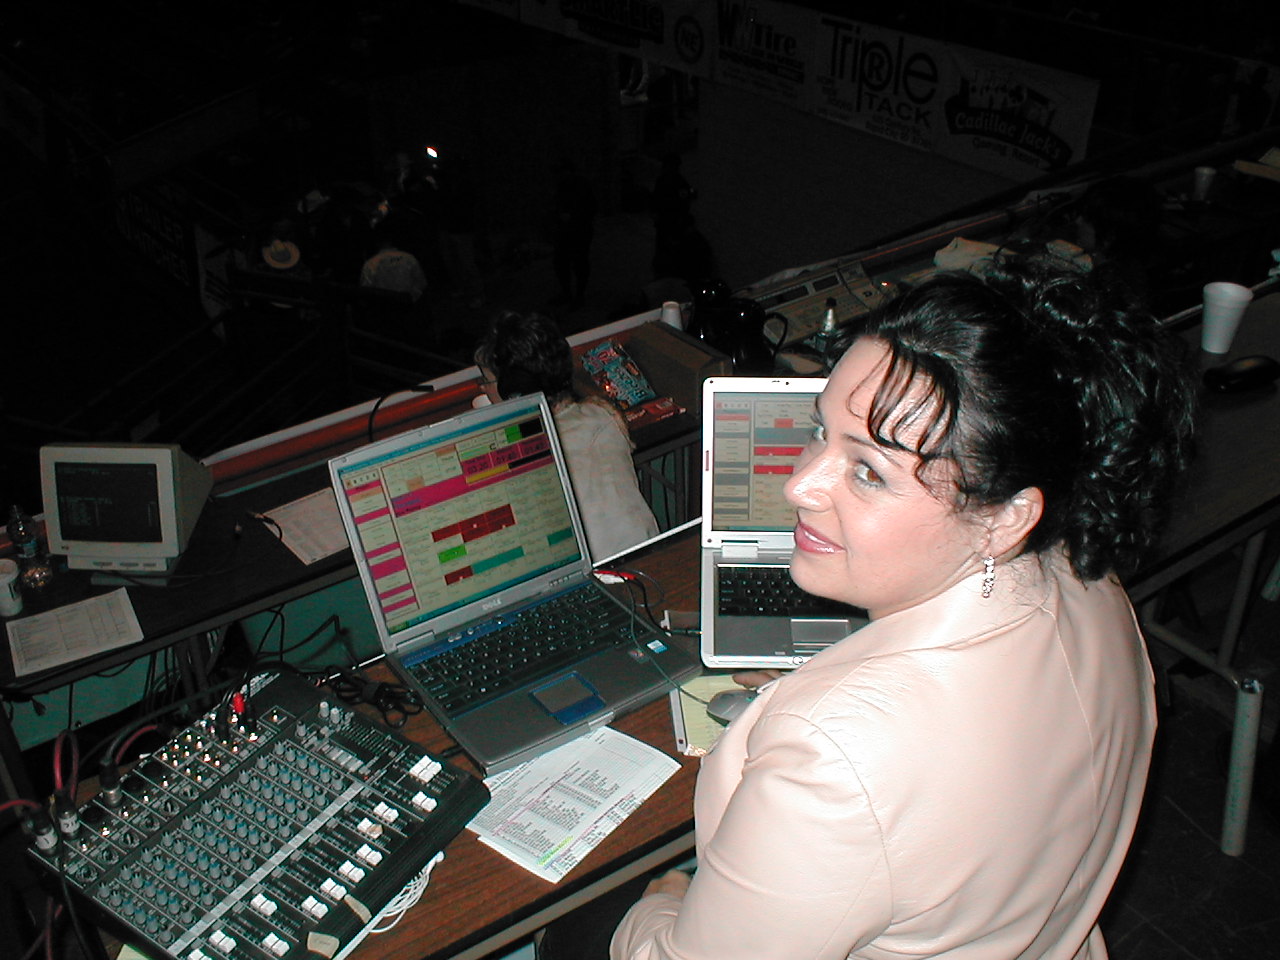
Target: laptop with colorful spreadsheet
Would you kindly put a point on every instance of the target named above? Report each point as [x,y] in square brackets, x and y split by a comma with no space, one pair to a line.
[476,570]
[752,613]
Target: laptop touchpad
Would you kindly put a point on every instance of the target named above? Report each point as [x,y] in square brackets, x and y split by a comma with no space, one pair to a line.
[826,630]
[569,698]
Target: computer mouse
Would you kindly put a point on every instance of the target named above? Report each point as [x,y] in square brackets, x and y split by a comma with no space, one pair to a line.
[728,704]
[1243,373]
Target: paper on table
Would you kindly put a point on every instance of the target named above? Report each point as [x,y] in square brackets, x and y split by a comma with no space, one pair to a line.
[549,813]
[310,526]
[73,632]
[695,731]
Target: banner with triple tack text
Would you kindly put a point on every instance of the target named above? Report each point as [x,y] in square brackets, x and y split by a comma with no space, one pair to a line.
[982,109]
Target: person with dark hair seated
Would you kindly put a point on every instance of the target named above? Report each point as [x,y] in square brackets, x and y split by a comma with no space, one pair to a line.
[526,353]
[962,776]
[392,268]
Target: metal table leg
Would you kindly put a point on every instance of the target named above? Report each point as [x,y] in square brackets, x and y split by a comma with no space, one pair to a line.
[1244,733]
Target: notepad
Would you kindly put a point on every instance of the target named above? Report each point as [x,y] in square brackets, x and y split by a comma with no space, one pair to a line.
[695,731]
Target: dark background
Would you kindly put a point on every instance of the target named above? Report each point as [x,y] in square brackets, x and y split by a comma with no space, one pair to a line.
[159,117]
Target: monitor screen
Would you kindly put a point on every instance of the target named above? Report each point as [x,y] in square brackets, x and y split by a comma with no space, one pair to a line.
[446,517]
[756,440]
[121,506]
[108,501]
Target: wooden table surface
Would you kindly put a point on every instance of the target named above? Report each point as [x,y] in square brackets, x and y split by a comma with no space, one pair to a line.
[478,900]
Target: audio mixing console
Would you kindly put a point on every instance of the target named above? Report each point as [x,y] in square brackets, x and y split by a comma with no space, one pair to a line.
[280,837]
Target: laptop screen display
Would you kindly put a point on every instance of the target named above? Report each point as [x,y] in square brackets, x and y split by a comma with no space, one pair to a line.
[756,439]
[444,520]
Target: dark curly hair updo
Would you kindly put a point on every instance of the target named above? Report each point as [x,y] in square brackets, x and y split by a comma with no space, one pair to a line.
[1038,378]
[527,353]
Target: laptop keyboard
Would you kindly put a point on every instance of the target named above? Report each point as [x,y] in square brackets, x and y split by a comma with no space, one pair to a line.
[523,646]
[763,591]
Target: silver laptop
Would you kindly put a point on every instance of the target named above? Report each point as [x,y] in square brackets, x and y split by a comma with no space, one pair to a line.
[752,613]
[476,570]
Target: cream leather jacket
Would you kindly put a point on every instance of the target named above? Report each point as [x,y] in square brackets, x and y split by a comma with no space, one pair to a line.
[960,780]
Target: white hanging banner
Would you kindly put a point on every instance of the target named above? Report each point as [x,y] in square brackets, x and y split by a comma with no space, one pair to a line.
[982,109]
[978,108]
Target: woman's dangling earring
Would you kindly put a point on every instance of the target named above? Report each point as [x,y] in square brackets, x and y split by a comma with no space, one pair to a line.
[988,576]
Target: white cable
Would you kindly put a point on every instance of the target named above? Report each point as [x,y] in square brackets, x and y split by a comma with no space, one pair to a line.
[390,915]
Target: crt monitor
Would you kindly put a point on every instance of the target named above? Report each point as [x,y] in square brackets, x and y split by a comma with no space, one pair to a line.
[127,507]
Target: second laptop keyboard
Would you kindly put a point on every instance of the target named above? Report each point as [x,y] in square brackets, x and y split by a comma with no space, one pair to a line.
[764,591]
[516,648]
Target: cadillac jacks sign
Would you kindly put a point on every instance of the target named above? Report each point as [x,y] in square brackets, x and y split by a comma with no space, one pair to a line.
[979,108]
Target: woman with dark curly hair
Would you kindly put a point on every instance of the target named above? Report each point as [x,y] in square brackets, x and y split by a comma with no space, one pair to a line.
[526,353]
[960,778]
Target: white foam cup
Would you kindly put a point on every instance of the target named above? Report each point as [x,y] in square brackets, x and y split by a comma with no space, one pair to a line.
[1224,305]
[672,315]
[10,591]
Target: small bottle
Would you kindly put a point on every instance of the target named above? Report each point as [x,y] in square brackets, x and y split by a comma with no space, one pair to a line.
[829,318]
[35,568]
[826,334]
[23,534]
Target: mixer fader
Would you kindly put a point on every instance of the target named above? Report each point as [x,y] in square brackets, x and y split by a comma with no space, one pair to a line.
[280,837]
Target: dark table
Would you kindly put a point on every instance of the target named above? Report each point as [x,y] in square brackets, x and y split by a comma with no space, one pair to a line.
[236,566]
[1230,497]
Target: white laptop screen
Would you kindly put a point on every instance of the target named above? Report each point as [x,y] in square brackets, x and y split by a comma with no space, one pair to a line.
[444,520]
[756,438]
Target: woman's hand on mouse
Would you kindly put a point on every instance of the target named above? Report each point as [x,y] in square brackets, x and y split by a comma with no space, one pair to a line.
[754,679]
[674,883]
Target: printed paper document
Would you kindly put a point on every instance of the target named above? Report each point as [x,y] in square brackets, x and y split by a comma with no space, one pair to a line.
[72,632]
[549,813]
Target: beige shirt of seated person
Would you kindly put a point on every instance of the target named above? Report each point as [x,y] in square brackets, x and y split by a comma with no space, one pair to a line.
[597,450]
